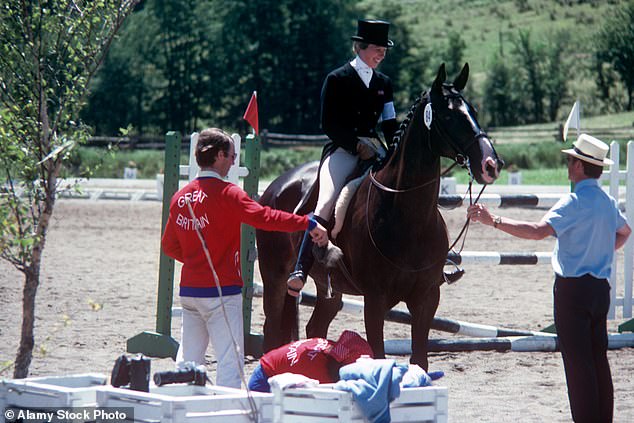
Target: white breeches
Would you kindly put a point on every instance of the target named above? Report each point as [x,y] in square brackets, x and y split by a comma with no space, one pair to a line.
[203,321]
[333,174]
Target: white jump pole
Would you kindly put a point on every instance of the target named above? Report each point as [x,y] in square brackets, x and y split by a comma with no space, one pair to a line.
[534,343]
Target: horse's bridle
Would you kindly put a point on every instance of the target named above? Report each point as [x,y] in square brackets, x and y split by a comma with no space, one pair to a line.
[460,159]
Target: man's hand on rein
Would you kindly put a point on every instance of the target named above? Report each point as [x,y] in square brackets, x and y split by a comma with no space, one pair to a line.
[479,213]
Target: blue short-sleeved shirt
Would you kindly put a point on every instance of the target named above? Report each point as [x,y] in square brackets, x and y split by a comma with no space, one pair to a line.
[585,224]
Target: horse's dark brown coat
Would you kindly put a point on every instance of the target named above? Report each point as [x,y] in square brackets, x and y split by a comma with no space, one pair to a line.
[394,244]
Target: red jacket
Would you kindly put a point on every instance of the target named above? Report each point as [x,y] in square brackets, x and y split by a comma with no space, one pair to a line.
[308,357]
[219,209]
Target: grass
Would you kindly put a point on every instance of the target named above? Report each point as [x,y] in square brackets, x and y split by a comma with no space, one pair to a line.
[489,28]
[557,176]
[110,163]
[615,120]
[488,25]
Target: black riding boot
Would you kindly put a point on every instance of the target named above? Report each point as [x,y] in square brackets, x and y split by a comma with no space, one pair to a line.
[305,260]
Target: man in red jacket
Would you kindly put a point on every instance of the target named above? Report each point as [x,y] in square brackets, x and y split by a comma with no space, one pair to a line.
[315,358]
[203,232]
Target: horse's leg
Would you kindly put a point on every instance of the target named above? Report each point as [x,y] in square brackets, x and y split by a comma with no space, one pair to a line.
[280,314]
[423,312]
[374,316]
[325,311]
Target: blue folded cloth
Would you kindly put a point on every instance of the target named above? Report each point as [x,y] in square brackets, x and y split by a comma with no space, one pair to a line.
[374,384]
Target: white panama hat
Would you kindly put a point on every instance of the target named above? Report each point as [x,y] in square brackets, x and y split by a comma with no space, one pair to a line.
[591,150]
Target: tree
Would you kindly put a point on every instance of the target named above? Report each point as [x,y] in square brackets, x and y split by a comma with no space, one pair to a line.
[531,83]
[615,46]
[184,64]
[183,46]
[129,70]
[558,71]
[455,53]
[409,63]
[500,94]
[530,56]
[283,49]
[123,109]
[50,50]
[157,68]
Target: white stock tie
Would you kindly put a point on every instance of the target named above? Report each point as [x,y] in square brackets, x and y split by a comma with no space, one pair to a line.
[366,76]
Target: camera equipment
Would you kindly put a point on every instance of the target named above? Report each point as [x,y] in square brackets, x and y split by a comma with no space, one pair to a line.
[189,373]
[131,371]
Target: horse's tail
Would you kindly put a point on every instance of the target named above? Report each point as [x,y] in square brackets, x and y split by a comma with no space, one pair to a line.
[290,317]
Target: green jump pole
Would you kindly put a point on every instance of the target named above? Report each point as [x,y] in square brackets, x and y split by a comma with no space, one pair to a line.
[160,343]
[248,254]
[627,326]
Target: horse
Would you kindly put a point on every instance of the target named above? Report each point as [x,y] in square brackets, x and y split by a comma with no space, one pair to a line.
[394,240]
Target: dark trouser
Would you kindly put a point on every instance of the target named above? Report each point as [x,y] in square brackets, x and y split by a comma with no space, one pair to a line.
[305,258]
[581,308]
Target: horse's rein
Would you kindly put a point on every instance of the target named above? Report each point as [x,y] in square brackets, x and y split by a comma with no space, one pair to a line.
[382,187]
[465,227]
[463,231]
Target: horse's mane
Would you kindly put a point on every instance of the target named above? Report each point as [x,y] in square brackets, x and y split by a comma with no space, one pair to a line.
[403,126]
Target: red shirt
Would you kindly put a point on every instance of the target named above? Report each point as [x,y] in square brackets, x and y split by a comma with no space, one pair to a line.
[306,357]
[219,209]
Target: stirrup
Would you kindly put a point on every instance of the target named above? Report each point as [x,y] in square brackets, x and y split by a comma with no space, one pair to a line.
[297,275]
[453,276]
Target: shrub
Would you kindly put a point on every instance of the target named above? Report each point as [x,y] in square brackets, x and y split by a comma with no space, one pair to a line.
[104,163]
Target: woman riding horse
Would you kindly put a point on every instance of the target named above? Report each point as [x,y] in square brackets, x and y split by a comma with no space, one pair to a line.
[355,97]
[394,239]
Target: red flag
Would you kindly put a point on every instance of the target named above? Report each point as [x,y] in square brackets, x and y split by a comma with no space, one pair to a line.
[251,114]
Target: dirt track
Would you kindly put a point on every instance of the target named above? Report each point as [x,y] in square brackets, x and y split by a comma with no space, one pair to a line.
[98,288]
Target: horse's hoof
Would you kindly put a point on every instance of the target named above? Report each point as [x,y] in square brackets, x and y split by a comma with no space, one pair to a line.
[295,283]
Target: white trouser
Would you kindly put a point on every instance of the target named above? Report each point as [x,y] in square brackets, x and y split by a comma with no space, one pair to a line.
[203,320]
[333,174]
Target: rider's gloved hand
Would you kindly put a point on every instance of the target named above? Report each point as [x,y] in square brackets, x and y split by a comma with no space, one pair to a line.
[365,150]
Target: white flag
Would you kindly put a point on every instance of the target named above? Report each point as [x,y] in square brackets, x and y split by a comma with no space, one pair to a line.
[573,120]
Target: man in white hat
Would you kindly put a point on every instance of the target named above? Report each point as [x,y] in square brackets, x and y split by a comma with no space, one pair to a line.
[589,227]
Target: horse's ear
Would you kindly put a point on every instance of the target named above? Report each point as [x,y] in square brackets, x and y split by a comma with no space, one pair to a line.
[441,76]
[461,80]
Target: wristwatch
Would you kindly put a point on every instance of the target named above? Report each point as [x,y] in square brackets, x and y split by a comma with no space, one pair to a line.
[496,221]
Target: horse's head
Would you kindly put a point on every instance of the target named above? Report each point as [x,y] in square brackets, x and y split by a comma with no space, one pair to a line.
[454,120]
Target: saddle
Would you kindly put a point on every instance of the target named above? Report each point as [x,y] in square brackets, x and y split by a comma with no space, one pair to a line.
[311,192]
[309,199]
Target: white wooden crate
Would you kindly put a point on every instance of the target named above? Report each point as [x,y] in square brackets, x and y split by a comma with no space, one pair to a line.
[48,393]
[189,403]
[325,404]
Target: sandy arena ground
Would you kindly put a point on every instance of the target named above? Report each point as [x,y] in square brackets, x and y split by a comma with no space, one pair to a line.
[98,288]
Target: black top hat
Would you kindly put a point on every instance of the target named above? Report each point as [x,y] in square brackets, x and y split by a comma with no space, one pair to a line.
[373,32]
